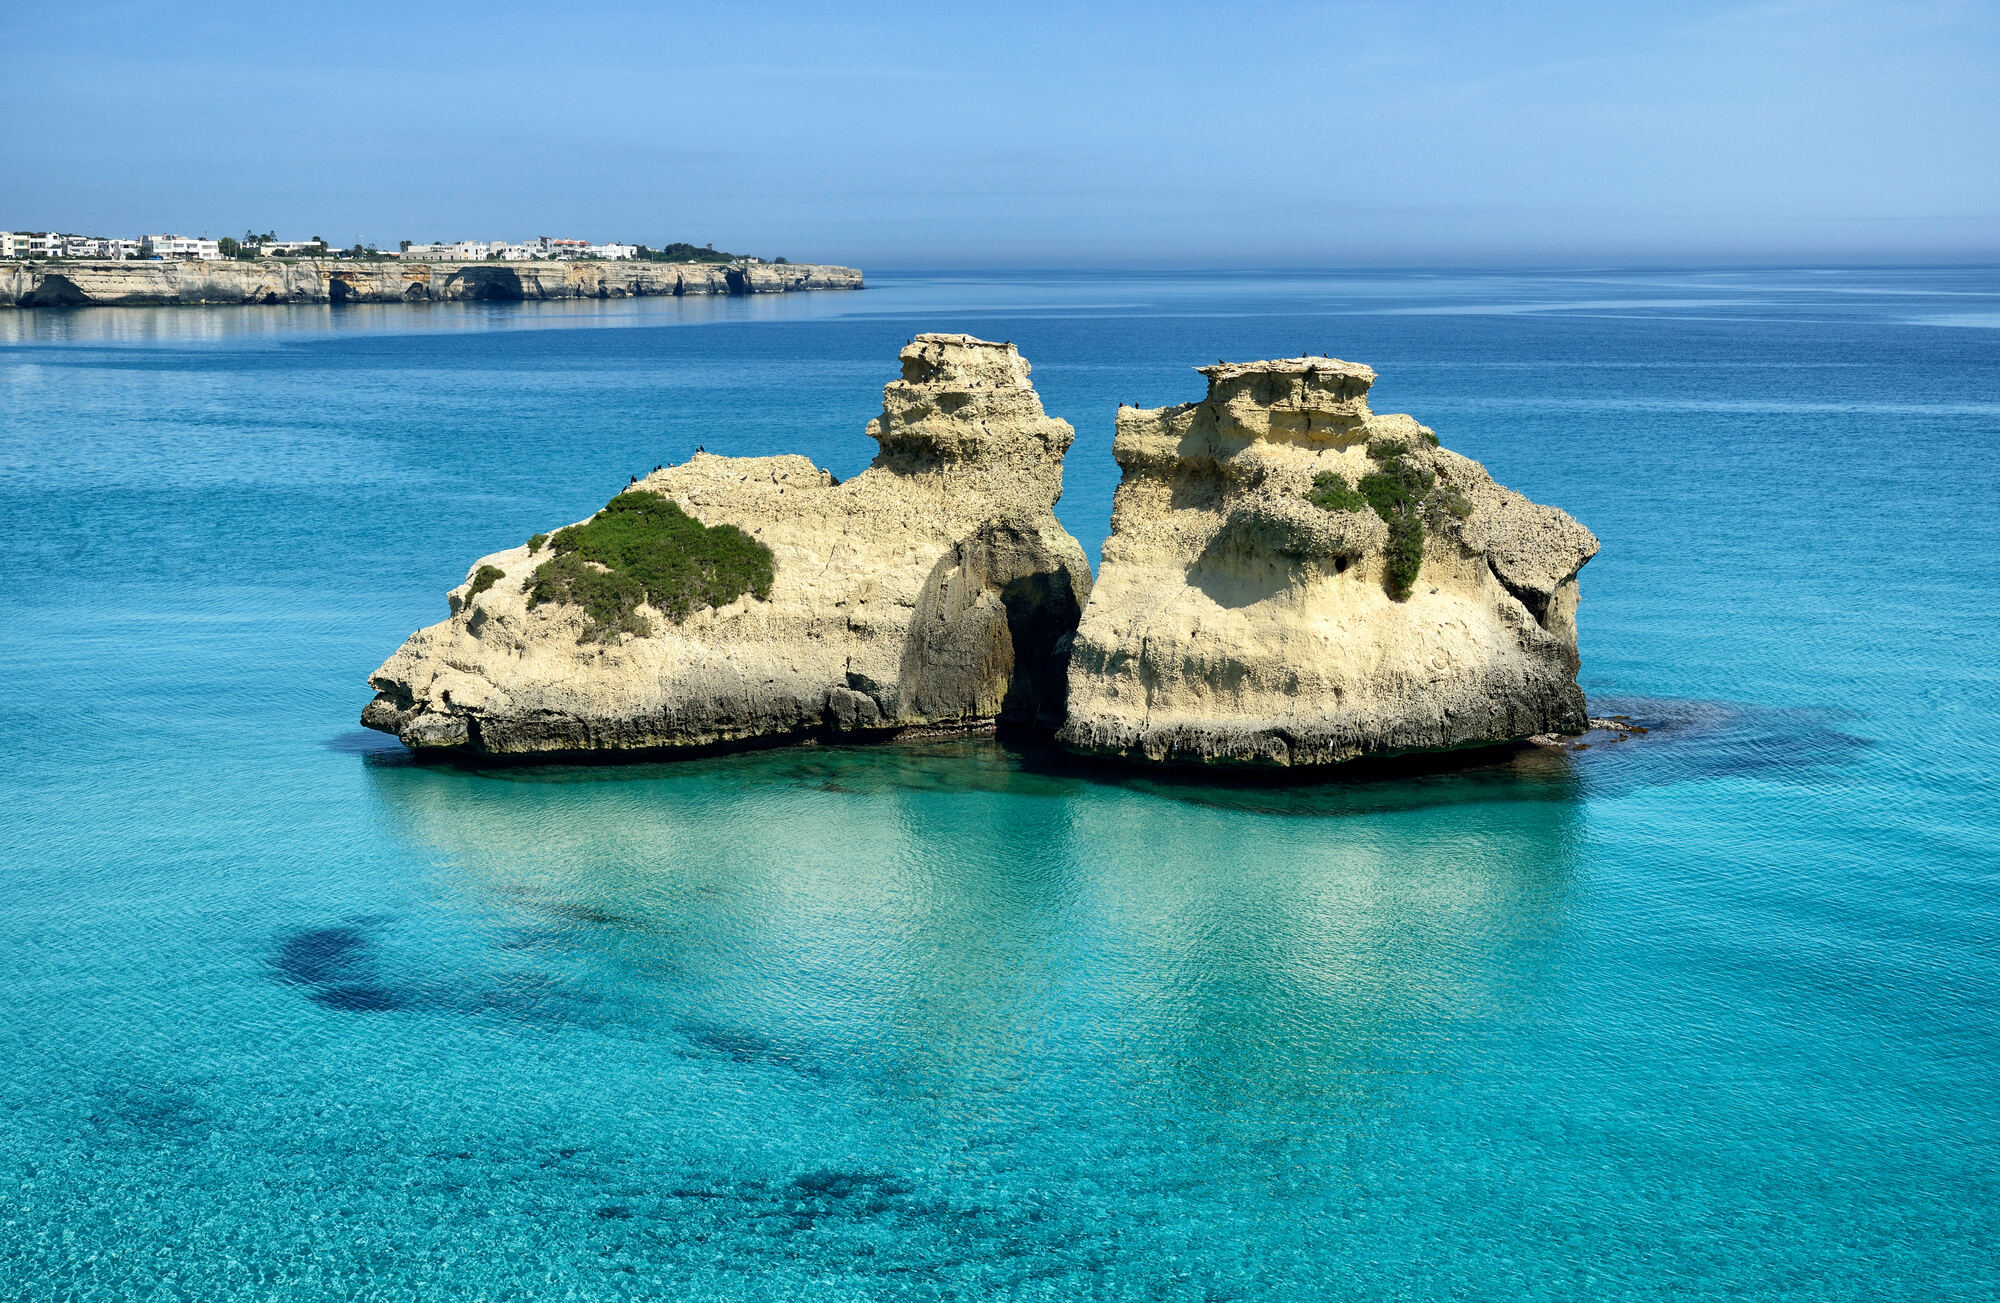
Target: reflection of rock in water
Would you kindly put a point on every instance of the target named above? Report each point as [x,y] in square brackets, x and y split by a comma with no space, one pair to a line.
[957,929]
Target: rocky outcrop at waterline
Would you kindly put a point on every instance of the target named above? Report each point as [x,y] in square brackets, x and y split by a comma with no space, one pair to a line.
[732,601]
[1293,580]
[135,283]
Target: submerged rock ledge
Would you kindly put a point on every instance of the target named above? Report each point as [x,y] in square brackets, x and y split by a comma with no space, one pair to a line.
[274,281]
[1291,581]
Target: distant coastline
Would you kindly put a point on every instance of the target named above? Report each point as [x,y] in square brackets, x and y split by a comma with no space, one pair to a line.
[142,283]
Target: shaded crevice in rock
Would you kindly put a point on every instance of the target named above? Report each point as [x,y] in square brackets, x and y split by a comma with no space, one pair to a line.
[987,628]
[498,284]
[1539,602]
[56,291]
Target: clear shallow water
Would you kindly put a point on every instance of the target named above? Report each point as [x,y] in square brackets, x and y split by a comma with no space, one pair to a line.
[1712,1012]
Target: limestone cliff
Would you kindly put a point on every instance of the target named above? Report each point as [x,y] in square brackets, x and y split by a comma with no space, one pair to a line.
[933,590]
[1293,580]
[271,281]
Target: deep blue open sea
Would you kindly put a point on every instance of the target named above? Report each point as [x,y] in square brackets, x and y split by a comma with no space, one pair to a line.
[1714,1012]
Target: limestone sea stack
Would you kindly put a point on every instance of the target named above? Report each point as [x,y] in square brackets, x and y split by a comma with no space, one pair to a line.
[739,600]
[1293,580]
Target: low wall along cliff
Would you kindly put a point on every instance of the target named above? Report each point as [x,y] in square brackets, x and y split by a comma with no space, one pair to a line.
[135,283]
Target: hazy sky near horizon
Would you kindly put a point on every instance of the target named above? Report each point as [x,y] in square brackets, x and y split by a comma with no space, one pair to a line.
[1255,135]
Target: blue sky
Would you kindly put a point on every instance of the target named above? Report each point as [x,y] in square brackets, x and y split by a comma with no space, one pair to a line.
[994,134]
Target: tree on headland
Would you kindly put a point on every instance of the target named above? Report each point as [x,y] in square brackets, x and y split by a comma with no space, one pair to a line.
[227,247]
[681,251]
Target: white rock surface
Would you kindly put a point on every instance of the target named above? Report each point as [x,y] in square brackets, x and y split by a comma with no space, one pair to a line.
[933,590]
[1235,623]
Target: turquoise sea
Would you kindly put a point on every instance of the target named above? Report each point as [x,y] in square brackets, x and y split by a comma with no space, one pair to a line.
[1711,1013]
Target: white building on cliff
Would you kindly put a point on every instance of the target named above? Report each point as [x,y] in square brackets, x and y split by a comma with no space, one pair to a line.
[183,246]
[542,247]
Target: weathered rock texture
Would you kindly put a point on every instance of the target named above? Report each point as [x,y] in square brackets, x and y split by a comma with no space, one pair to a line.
[933,590]
[135,283]
[1234,622]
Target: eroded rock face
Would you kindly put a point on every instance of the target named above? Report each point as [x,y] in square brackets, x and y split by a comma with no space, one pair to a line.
[135,282]
[933,590]
[1237,620]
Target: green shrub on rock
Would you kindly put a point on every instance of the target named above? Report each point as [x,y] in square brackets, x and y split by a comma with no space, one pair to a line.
[1397,491]
[484,578]
[643,548]
[608,599]
[1404,495]
[1332,492]
[1447,500]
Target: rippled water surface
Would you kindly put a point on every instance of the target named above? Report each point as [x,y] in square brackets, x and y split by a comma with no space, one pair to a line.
[1711,1012]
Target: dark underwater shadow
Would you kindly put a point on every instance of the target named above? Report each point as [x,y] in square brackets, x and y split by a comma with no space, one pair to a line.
[355,965]
[366,742]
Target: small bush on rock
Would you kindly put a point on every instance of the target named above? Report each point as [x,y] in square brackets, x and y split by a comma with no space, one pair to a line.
[643,548]
[609,600]
[484,578]
[1396,491]
[1403,494]
[1447,500]
[1396,488]
[1332,492]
